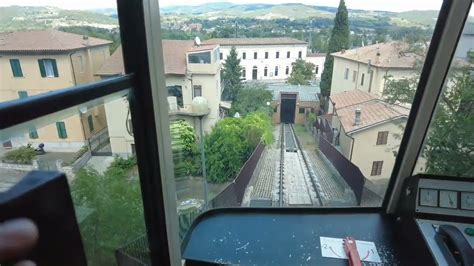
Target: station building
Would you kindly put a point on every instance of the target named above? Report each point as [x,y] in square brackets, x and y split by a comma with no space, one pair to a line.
[293,103]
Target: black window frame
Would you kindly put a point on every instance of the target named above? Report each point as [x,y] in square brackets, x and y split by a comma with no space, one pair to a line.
[301,110]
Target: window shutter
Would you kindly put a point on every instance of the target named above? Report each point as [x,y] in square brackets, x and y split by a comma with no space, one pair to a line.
[55,68]
[16,68]
[41,66]
[61,127]
[33,133]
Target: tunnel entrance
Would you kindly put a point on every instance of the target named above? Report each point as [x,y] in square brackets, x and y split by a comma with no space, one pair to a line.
[287,110]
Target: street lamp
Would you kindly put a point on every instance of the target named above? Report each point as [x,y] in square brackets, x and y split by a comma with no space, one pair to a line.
[201,108]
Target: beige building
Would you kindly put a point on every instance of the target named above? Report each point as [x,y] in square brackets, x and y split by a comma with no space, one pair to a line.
[318,60]
[35,62]
[365,68]
[292,103]
[190,71]
[267,59]
[367,131]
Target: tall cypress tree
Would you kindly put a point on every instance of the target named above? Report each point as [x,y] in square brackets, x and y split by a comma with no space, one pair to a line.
[339,40]
[231,76]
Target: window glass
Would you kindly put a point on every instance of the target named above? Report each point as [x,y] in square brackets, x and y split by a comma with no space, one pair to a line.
[266,55]
[244,55]
[197,90]
[277,55]
[448,146]
[276,71]
[255,55]
[22,94]
[200,58]
[16,68]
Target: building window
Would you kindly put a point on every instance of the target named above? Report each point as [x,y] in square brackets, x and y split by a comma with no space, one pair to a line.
[48,68]
[16,68]
[287,70]
[312,110]
[197,90]
[346,74]
[275,109]
[354,75]
[254,73]
[276,71]
[61,127]
[300,54]
[176,91]
[200,58]
[244,74]
[288,54]
[266,55]
[277,55]
[22,94]
[376,168]
[221,56]
[244,56]
[301,110]
[265,71]
[362,80]
[33,133]
[90,122]
[382,137]
[316,70]
[255,55]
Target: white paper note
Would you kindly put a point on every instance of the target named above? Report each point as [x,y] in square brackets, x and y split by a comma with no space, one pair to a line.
[333,248]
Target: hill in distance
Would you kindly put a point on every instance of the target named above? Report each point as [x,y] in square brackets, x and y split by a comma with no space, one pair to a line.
[16,18]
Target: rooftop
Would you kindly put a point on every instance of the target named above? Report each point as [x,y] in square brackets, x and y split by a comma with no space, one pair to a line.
[351,97]
[254,41]
[46,41]
[113,65]
[374,111]
[305,93]
[174,56]
[387,55]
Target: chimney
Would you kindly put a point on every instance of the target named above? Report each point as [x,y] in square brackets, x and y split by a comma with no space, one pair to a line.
[85,40]
[358,113]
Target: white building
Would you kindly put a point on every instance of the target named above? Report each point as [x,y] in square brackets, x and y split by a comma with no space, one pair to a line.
[365,68]
[318,60]
[263,58]
[190,71]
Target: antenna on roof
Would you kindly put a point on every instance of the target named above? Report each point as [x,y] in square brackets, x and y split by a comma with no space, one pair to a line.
[197,41]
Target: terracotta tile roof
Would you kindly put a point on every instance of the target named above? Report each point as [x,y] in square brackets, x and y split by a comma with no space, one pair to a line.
[253,41]
[388,55]
[316,55]
[374,110]
[174,56]
[348,98]
[113,65]
[45,41]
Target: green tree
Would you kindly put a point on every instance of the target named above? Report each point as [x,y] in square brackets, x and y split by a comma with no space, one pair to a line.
[448,147]
[252,97]
[339,40]
[231,76]
[113,205]
[184,148]
[302,72]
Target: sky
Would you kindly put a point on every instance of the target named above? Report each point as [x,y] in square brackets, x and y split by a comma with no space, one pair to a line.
[388,5]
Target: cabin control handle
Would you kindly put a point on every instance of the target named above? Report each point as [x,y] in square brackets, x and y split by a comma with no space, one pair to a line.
[454,245]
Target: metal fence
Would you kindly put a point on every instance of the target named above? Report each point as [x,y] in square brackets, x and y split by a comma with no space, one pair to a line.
[233,194]
[99,143]
[351,173]
[135,253]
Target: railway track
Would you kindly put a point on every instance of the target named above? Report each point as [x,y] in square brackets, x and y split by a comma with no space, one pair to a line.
[297,185]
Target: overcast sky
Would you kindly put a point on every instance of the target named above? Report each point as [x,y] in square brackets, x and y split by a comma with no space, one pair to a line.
[389,5]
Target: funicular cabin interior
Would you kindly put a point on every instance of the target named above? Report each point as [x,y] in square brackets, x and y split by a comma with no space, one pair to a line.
[424,219]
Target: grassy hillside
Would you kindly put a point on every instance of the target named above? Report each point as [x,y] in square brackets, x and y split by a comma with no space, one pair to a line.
[15,18]
[425,17]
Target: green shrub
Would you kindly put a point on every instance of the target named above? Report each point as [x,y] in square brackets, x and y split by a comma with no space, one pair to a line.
[231,143]
[123,164]
[22,155]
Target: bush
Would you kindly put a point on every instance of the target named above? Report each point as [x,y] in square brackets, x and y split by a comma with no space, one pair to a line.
[252,98]
[123,164]
[22,155]
[185,151]
[231,143]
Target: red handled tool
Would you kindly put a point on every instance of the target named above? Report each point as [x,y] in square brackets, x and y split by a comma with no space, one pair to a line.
[351,251]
